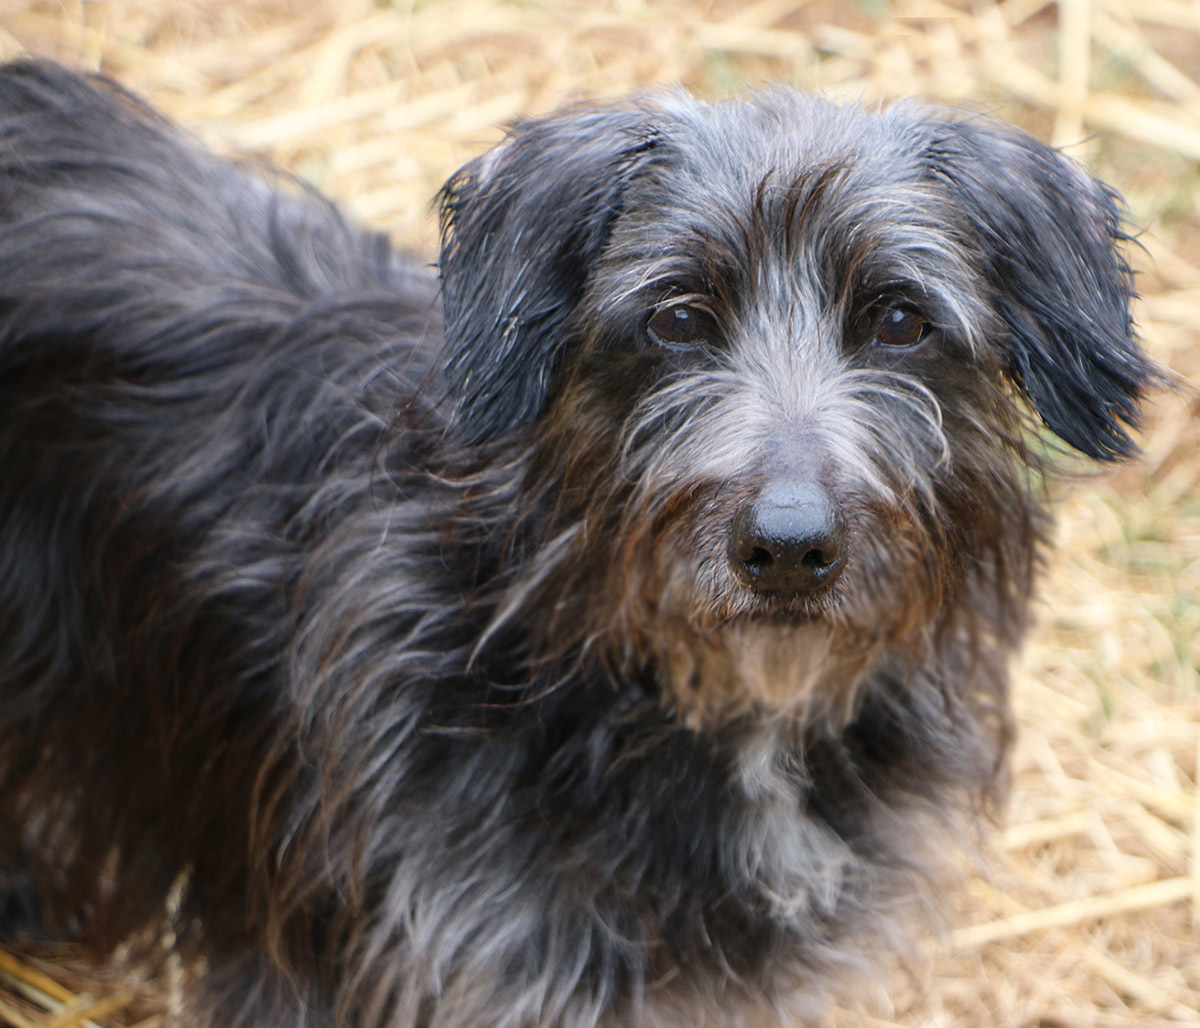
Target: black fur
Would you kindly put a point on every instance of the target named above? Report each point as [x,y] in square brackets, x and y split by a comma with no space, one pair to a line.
[406,672]
[1046,231]
[522,228]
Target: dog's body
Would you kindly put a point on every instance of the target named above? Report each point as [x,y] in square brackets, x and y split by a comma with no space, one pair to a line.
[627,651]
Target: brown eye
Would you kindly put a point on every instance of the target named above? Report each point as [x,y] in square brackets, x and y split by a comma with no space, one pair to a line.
[680,325]
[901,326]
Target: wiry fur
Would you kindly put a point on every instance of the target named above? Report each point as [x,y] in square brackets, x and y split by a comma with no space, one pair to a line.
[418,647]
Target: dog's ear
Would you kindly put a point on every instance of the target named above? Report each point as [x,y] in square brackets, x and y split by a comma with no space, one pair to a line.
[1050,237]
[522,227]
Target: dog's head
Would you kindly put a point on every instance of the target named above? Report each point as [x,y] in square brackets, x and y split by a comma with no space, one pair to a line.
[774,358]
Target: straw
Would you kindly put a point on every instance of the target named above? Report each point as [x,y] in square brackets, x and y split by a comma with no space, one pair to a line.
[1088,911]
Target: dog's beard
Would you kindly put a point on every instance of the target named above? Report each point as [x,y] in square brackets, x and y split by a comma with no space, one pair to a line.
[663,596]
[764,669]
[643,543]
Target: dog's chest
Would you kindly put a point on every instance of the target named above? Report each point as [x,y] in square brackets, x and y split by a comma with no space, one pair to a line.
[795,860]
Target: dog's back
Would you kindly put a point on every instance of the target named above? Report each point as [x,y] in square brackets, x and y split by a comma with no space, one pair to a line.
[197,375]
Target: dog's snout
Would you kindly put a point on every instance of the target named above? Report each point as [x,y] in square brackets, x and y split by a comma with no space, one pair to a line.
[788,539]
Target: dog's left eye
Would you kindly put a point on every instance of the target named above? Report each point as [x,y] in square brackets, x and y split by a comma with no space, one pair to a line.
[900,326]
[680,325]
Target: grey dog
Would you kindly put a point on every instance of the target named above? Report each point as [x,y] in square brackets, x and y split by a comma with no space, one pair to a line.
[608,630]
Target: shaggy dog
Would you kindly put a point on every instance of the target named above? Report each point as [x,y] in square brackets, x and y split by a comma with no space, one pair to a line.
[608,630]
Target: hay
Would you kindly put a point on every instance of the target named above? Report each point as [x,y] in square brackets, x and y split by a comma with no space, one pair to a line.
[1090,913]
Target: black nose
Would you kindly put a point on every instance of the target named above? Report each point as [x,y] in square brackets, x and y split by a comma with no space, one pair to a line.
[788,539]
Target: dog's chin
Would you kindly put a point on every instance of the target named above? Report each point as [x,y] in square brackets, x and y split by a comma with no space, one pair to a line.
[767,660]
[782,609]
[792,609]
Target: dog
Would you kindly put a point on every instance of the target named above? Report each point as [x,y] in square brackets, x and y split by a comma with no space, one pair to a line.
[610,628]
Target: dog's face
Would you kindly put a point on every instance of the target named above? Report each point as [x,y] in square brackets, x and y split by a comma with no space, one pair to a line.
[779,354]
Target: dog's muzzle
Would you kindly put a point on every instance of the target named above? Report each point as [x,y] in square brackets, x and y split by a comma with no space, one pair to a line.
[788,539]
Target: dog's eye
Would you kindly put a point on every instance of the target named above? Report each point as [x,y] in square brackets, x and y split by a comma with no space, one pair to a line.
[680,324]
[900,326]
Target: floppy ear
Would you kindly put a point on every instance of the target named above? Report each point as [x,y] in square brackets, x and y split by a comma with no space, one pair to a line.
[1049,237]
[522,227]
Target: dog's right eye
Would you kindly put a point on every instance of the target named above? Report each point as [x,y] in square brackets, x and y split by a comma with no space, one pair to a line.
[680,325]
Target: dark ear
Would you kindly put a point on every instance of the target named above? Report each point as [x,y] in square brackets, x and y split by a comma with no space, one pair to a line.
[1049,237]
[522,227]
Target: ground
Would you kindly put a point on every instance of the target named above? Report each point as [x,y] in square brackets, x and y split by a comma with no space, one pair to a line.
[1088,914]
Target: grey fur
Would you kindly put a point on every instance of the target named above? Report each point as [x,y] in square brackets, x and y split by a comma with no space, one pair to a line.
[424,648]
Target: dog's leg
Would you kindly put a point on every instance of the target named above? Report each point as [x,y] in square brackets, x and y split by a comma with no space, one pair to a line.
[20,907]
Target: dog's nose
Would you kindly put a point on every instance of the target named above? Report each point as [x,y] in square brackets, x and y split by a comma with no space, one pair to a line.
[788,539]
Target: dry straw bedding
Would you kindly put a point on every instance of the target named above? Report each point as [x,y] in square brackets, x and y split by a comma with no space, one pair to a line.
[1089,914]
